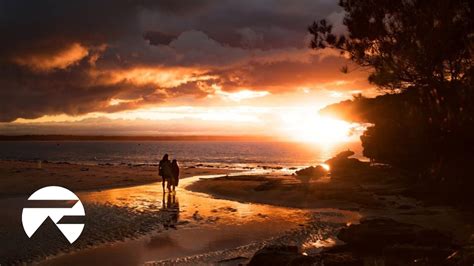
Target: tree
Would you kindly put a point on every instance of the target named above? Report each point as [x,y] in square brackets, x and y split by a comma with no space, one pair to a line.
[407,43]
[420,53]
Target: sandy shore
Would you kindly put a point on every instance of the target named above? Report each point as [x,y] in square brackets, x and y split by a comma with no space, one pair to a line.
[23,178]
[292,191]
[355,187]
[374,192]
[107,222]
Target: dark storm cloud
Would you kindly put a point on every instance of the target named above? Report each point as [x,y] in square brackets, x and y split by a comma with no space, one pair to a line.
[30,95]
[48,26]
[278,23]
[157,38]
[60,56]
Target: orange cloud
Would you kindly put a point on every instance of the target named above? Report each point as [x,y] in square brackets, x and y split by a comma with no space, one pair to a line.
[60,60]
[164,77]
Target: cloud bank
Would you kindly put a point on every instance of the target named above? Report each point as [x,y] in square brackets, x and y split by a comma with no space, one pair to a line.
[77,57]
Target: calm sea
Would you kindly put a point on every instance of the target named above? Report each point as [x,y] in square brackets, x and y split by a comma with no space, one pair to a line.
[217,153]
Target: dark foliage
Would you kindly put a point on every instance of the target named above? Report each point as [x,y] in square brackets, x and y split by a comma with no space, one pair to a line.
[420,43]
[420,53]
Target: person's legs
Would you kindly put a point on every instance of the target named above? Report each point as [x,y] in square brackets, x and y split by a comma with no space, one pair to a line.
[163,184]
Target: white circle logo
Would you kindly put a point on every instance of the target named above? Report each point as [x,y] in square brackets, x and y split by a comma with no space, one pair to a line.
[61,205]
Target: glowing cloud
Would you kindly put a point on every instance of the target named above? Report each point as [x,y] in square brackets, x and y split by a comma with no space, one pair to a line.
[239,95]
[165,77]
[60,60]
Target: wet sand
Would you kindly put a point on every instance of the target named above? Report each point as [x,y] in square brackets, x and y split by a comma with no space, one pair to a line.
[215,218]
[19,179]
[137,223]
[371,197]
[291,191]
[207,229]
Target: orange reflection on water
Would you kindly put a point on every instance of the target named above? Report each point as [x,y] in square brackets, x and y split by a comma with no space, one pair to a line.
[193,206]
[204,224]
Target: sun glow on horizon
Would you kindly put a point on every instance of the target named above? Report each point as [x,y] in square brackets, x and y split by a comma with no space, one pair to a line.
[289,123]
[304,126]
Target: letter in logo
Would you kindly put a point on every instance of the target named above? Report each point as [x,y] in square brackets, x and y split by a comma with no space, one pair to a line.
[32,218]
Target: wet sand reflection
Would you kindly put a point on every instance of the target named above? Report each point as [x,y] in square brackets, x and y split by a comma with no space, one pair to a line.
[203,224]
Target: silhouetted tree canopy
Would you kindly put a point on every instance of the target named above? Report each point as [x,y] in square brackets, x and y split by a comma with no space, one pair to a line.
[407,43]
[420,53]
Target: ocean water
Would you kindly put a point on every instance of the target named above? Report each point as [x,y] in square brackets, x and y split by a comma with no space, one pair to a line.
[216,153]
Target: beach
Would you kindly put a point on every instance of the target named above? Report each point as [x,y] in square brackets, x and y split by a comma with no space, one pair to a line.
[327,133]
[130,221]
[19,178]
[390,216]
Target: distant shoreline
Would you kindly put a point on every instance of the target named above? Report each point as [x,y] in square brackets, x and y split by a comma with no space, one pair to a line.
[133,138]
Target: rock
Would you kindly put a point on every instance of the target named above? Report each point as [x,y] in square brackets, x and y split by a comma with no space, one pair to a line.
[281,255]
[197,216]
[379,233]
[289,255]
[312,171]
[339,259]
[394,242]
[232,261]
[341,162]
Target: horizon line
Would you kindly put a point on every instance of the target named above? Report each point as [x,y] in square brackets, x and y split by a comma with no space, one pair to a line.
[61,137]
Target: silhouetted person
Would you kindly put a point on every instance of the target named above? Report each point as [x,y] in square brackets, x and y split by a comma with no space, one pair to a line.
[164,170]
[175,172]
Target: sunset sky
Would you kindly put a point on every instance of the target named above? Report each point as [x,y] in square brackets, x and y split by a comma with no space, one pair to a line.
[169,67]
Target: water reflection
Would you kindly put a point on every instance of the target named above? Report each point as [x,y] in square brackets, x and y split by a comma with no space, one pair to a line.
[170,204]
[217,224]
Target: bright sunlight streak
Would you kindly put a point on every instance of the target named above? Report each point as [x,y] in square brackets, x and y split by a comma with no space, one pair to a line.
[306,126]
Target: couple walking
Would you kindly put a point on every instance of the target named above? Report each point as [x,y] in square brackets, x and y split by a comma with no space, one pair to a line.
[169,172]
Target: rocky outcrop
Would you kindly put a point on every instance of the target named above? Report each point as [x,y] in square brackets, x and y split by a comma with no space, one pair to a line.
[280,255]
[342,163]
[376,241]
[313,172]
[396,243]
[380,233]
[290,255]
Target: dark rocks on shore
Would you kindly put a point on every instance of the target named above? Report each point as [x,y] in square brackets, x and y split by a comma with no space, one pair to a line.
[396,243]
[313,172]
[197,216]
[341,162]
[290,255]
[376,241]
[280,255]
[379,233]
